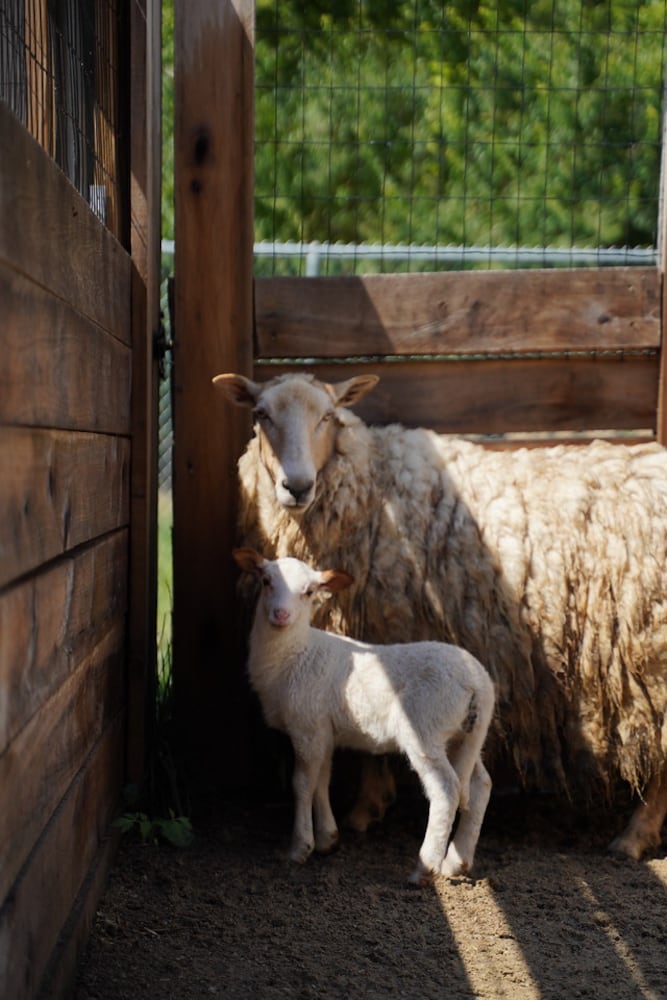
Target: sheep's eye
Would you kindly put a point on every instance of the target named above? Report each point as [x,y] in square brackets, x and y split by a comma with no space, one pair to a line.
[309,591]
[263,417]
[326,417]
[266,582]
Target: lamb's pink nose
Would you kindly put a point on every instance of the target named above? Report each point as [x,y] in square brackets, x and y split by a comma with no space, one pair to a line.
[280,616]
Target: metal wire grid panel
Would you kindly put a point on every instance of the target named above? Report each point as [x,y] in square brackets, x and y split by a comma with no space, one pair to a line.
[456,125]
[60,75]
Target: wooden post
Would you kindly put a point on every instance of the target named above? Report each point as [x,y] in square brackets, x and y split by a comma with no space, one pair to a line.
[661,418]
[144,213]
[213,141]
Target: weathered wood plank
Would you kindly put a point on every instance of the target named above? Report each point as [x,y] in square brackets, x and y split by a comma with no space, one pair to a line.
[213,140]
[42,761]
[145,245]
[44,892]
[58,490]
[500,397]
[51,621]
[69,252]
[59,369]
[471,312]
[60,977]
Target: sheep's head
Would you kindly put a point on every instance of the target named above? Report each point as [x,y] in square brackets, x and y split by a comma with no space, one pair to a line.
[296,419]
[289,586]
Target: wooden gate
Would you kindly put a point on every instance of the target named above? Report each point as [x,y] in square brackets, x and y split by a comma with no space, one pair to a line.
[79,305]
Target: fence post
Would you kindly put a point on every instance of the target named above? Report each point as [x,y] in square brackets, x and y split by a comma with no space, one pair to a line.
[213,141]
[661,417]
[144,216]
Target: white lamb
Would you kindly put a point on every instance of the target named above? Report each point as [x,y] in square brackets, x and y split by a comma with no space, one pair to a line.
[548,564]
[431,701]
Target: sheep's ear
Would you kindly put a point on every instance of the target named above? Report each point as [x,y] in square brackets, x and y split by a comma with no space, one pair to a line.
[238,389]
[335,580]
[248,560]
[354,389]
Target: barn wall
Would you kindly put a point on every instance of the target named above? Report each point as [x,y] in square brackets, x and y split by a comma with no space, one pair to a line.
[76,532]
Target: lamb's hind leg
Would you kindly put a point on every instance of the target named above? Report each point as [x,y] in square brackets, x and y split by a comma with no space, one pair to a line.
[441,786]
[461,851]
[326,830]
[643,830]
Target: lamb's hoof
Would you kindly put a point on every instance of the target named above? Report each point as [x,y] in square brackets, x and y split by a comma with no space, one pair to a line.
[300,853]
[454,865]
[421,877]
[327,845]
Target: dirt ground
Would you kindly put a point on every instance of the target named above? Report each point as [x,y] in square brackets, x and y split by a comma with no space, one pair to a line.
[546,914]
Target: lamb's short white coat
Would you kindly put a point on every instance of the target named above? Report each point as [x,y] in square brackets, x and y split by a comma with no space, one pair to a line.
[431,701]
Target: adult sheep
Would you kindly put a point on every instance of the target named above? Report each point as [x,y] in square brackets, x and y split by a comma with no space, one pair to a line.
[548,564]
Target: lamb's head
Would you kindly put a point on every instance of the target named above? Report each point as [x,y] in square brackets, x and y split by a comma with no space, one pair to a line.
[296,420]
[289,586]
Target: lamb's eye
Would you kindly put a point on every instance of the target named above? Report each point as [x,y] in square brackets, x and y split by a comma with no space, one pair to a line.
[309,591]
[326,417]
[266,582]
[263,417]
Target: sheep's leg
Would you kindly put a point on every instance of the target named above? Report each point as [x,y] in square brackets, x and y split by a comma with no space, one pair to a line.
[326,829]
[643,830]
[441,786]
[377,791]
[461,851]
[307,768]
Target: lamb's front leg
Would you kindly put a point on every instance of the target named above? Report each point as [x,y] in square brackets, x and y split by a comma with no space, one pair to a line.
[326,829]
[307,769]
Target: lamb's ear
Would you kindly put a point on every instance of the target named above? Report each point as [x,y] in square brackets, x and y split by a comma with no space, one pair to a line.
[238,389]
[335,580]
[354,389]
[248,560]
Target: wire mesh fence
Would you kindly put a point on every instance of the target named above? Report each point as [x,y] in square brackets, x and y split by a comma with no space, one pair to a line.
[60,69]
[165,423]
[423,123]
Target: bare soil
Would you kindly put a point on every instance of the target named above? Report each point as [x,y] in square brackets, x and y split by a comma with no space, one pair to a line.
[546,914]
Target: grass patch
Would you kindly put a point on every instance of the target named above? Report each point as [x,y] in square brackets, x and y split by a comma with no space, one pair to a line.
[157,811]
[165,576]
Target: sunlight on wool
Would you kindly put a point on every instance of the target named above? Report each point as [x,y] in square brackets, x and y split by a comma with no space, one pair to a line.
[497,956]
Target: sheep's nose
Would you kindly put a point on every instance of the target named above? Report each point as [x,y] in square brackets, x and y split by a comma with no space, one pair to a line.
[299,488]
[280,616]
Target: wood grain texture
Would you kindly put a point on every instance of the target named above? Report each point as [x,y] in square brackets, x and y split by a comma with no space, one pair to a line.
[500,397]
[50,622]
[471,312]
[213,326]
[59,980]
[145,246]
[58,490]
[56,880]
[59,369]
[43,760]
[64,249]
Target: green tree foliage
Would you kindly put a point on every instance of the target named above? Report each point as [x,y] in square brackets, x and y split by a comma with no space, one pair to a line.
[168,119]
[527,122]
[517,123]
